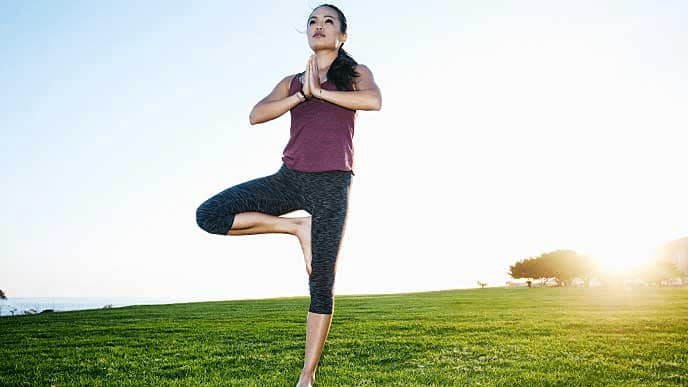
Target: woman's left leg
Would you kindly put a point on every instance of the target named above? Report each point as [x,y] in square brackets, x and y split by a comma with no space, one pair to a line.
[327,200]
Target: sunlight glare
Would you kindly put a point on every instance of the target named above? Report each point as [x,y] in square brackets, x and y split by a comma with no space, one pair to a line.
[623,256]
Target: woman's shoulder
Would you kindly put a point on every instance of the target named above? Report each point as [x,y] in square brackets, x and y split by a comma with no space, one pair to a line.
[291,78]
[287,82]
[363,75]
[288,79]
[362,70]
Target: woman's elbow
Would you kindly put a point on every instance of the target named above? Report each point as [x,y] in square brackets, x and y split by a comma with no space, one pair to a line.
[252,118]
[377,104]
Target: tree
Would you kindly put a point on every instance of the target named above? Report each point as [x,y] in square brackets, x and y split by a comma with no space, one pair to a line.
[541,269]
[2,297]
[677,252]
[562,265]
[565,265]
[482,284]
[659,271]
[524,268]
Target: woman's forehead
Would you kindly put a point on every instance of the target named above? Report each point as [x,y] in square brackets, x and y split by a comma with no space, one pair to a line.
[323,12]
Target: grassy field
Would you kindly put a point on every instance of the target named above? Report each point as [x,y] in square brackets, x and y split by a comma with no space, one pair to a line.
[492,336]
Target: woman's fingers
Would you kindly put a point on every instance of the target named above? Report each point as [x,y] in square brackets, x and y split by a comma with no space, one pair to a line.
[311,82]
[315,78]
[306,79]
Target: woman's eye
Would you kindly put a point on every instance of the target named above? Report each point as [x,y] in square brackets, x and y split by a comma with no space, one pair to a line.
[326,21]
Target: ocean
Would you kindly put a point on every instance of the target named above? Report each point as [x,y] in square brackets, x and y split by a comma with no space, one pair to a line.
[18,306]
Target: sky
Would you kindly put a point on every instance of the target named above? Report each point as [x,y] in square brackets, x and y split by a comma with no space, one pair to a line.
[507,129]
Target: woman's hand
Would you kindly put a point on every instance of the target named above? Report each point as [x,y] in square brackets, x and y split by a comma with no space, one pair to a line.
[306,88]
[315,76]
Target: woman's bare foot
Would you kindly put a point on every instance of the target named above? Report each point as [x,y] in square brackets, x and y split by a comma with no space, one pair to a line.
[304,234]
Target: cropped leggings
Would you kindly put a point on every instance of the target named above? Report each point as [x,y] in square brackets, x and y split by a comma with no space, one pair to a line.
[324,195]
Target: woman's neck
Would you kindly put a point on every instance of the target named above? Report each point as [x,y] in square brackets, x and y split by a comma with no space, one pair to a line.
[325,59]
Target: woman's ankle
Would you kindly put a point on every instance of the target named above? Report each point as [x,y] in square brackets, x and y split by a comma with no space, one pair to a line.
[307,375]
[306,379]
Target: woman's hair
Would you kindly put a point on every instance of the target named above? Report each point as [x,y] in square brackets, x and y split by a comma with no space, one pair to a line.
[342,70]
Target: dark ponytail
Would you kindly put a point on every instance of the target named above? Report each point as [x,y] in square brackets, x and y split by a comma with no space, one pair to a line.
[343,70]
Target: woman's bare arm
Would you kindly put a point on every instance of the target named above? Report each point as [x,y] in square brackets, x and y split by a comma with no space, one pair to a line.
[367,95]
[274,104]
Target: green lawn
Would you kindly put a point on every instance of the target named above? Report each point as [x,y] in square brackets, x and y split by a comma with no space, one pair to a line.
[493,336]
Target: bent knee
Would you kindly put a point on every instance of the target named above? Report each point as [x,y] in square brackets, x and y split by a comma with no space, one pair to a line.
[211,221]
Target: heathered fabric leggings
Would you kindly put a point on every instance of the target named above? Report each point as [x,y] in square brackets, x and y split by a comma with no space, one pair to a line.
[324,195]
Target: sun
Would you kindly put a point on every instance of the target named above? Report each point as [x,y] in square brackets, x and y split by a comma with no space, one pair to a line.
[623,257]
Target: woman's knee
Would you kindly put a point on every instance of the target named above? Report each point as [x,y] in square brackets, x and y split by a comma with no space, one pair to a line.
[210,219]
[321,304]
[321,283]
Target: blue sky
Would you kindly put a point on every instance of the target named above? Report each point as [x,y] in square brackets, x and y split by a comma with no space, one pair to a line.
[507,129]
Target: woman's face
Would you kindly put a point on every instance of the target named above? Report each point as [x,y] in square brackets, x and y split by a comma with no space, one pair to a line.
[323,30]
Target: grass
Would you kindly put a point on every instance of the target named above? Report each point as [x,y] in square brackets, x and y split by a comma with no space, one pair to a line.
[492,336]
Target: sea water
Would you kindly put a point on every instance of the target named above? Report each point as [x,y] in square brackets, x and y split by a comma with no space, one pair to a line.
[18,306]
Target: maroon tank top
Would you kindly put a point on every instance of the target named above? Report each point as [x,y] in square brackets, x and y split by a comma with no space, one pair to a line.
[321,134]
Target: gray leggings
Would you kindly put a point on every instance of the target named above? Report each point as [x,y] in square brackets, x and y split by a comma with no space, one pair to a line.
[324,195]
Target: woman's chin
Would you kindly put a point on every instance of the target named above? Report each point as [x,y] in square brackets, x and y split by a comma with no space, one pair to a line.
[317,46]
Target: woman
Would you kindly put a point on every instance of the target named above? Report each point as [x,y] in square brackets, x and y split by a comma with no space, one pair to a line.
[316,170]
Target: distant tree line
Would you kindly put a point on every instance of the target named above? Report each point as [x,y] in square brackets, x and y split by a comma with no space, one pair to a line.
[560,265]
[660,271]
[563,266]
